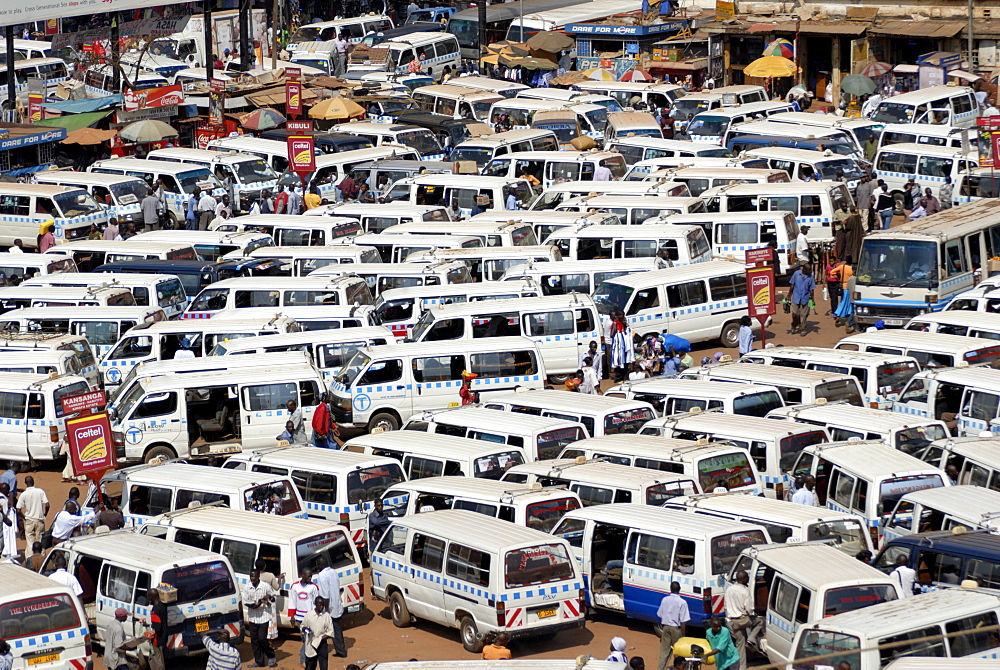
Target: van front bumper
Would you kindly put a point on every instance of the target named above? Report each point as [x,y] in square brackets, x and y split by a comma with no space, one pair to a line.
[344,417]
[551,629]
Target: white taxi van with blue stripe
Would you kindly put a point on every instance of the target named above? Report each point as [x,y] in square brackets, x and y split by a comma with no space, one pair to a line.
[384,386]
[426,455]
[712,125]
[698,302]
[675,244]
[336,486]
[929,166]
[43,622]
[123,195]
[179,179]
[50,70]
[812,203]
[518,114]
[630,553]
[954,106]
[969,395]
[808,583]
[353,29]
[501,578]
[947,624]
[969,505]
[33,426]
[227,297]
[84,362]
[865,478]
[553,167]
[161,341]
[117,570]
[25,208]
[463,193]
[205,413]
[434,52]
[562,326]
[419,139]
[246,174]
[287,546]
[102,326]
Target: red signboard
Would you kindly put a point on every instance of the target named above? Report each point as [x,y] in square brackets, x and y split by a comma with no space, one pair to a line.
[301,154]
[299,126]
[160,96]
[73,404]
[762,255]
[217,85]
[760,291]
[35,112]
[91,446]
[293,98]
[293,72]
[52,27]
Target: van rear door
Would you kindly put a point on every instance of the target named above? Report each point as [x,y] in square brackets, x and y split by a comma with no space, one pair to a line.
[14,431]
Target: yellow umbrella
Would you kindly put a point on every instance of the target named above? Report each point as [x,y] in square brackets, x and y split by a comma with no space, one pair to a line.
[336,108]
[491,59]
[600,74]
[771,66]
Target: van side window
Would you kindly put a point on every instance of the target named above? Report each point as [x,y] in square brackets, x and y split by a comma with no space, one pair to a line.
[243,299]
[118,583]
[512,364]
[382,372]
[150,500]
[932,166]
[12,405]
[728,287]
[438,368]
[984,572]
[186,497]
[551,323]
[17,205]
[447,329]
[427,552]
[651,551]
[859,501]
[269,396]
[36,406]
[469,565]
[687,294]
[684,558]
[316,486]
[592,495]
[193,538]
[240,554]
[898,646]
[482,508]
[842,485]
[419,468]
[784,598]
[644,299]
[394,540]
[156,405]
[973,635]
[585,321]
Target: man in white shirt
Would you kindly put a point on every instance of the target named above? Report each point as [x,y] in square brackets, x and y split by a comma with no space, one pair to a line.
[33,506]
[206,210]
[60,575]
[904,576]
[743,624]
[68,521]
[602,173]
[342,46]
[317,628]
[258,598]
[804,494]
[673,615]
[802,245]
[328,582]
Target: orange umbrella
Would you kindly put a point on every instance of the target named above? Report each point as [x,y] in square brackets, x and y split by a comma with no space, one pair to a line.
[88,136]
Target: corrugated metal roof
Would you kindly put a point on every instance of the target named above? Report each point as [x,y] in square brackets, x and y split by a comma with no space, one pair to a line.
[932,29]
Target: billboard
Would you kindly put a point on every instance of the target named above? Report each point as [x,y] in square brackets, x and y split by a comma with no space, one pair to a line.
[293,99]
[91,446]
[301,154]
[17,13]
[160,96]
[760,291]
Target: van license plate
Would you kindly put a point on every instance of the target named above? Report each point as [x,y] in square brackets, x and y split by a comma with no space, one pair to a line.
[201,625]
[893,322]
[544,614]
[48,658]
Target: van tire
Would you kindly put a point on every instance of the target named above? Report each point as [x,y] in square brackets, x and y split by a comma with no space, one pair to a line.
[471,640]
[559,379]
[159,451]
[172,221]
[387,420]
[398,610]
[730,336]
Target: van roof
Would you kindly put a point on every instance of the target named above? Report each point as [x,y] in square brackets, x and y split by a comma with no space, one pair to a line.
[671,449]
[849,416]
[601,200]
[407,269]
[459,180]
[766,127]
[541,303]
[24,380]
[980,376]
[310,337]
[801,155]
[202,155]
[908,614]
[766,507]
[144,165]
[437,254]
[647,517]
[44,190]
[635,265]
[468,289]
[433,444]
[119,246]
[698,387]
[929,150]
[281,283]
[491,534]
[817,566]
[243,523]
[459,92]
[825,120]
[492,419]
[468,346]
[839,355]
[212,378]
[871,457]
[663,143]
[196,476]
[193,237]
[384,150]
[291,252]
[98,278]
[777,188]
[740,425]
[481,488]
[984,450]
[18,581]
[220,364]
[668,276]
[561,156]
[81,312]
[746,108]
[611,474]
[222,322]
[928,93]
[668,231]
[938,342]
[506,137]
[470,228]
[776,375]
[290,219]
[312,457]
[361,208]
[967,501]
[61,292]
[141,551]
[566,400]
[84,178]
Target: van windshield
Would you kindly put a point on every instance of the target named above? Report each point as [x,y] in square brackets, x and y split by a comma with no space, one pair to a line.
[894,488]
[793,445]
[274,498]
[844,648]
[727,548]
[610,296]
[913,439]
[550,443]
[708,125]
[478,154]
[731,471]
[254,170]
[828,169]
[627,421]
[848,534]
[37,616]
[332,545]
[367,484]
[893,112]
[353,369]
[757,404]
[660,493]
[77,203]
[130,192]
[840,389]
[544,515]
[893,377]
[537,565]
[201,580]
[850,598]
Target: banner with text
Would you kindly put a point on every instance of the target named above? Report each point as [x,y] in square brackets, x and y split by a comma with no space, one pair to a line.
[159,96]
[13,13]
[760,291]
[301,154]
[91,445]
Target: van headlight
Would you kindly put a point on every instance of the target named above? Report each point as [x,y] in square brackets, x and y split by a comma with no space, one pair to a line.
[862,309]
[343,403]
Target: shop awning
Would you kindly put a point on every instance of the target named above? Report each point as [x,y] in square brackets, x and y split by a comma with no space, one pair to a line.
[276,96]
[73,122]
[19,136]
[812,27]
[925,29]
[962,74]
[686,66]
[83,106]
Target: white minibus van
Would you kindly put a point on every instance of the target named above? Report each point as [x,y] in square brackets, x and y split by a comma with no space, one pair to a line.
[552,167]
[967,507]
[796,386]
[643,148]
[556,194]
[926,133]
[954,106]
[712,125]
[489,263]
[386,276]
[152,291]
[580,276]
[226,298]
[212,245]
[246,176]
[34,341]
[844,422]
[931,350]
[462,193]
[34,425]
[633,210]
[598,414]
[330,350]
[631,553]
[287,546]
[976,460]
[483,148]
[102,326]
[426,455]
[16,266]
[859,129]
[676,244]
[178,179]
[967,399]
[698,302]
[384,386]
[671,396]
[455,101]
[502,578]
[122,194]
[539,437]
[927,165]
[27,207]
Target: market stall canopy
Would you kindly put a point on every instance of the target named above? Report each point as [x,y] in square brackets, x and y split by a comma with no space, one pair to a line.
[84,106]
[73,122]
[552,41]
[771,66]
[528,63]
[336,108]
[568,79]
[89,136]
[276,96]
[149,130]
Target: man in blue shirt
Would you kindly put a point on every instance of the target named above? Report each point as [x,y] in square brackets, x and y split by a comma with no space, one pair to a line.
[802,284]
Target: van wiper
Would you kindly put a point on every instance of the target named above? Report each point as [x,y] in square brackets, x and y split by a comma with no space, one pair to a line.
[207,592]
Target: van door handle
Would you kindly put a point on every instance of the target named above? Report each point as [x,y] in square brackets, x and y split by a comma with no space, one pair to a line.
[400,387]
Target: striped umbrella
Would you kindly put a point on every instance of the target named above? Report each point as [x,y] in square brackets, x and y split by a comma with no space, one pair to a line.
[780,47]
[636,75]
[876,69]
[600,74]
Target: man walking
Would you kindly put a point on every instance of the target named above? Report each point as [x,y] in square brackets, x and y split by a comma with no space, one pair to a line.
[191,210]
[945,193]
[301,597]
[258,596]
[328,582]
[341,45]
[150,207]
[33,507]
[743,624]
[863,195]
[206,210]
[114,638]
[802,284]
[673,615]
[317,628]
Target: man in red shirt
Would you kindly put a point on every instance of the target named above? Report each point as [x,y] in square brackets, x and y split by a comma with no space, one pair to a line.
[281,201]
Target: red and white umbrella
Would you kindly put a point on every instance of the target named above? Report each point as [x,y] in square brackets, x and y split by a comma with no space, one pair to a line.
[636,75]
[876,69]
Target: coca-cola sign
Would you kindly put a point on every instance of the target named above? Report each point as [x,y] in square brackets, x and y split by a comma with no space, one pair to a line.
[161,96]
